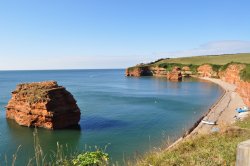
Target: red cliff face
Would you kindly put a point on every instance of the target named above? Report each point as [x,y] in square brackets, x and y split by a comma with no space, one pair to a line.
[139,71]
[232,75]
[175,74]
[43,104]
[206,71]
[158,71]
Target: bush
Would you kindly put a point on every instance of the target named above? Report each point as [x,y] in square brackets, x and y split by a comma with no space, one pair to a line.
[91,158]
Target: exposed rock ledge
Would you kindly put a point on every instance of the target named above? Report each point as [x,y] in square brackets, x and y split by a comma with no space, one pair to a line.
[43,104]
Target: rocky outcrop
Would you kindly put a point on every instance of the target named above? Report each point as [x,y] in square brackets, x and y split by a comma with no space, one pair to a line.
[158,71]
[232,75]
[229,73]
[175,74]
[138,71]
[186,71]
[185,68]
[206,70]
[43,104]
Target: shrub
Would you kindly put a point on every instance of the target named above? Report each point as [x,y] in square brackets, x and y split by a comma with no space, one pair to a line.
[91,158]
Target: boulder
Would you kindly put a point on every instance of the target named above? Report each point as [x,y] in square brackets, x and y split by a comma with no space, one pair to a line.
[43,104]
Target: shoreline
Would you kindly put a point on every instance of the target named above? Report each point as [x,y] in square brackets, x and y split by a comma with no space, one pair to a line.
[222,112]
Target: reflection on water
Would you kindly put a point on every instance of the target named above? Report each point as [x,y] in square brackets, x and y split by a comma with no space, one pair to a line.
[48,139]
[100,123]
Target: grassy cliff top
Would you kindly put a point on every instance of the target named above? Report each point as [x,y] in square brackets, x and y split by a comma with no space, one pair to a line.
[212,59]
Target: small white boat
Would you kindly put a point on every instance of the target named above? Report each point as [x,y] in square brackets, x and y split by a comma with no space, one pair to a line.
[208,122]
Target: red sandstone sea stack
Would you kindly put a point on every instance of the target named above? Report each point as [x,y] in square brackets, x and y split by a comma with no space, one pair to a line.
[43,104]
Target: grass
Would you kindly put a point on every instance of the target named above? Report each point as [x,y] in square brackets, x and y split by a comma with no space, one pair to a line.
[245,73]
[62,157]
[245,124]
[169,66]
[214,149]
[211,59]
[218,63]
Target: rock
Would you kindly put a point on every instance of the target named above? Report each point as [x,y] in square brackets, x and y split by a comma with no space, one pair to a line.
[232,76]
[175,74]
[138,71]
[206,70]
[185,68]
[159,71]
[43,104]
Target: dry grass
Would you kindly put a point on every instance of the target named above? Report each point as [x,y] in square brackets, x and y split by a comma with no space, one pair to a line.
[214,149]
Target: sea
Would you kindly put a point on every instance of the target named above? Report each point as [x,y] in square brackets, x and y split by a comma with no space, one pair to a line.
[124,116]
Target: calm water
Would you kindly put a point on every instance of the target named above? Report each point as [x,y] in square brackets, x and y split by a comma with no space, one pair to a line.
[132,115]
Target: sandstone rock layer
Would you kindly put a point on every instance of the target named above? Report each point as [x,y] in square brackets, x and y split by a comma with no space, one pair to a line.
[43,104]
[175,74]
[232,76]
[206,70]
[139,71]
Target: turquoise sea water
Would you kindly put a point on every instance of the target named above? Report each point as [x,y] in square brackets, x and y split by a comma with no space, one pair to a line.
[130,115]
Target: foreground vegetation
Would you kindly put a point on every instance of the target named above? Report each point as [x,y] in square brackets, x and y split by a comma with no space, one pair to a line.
[214,149]
[62,157]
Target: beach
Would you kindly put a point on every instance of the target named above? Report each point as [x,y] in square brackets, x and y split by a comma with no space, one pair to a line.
[222,112]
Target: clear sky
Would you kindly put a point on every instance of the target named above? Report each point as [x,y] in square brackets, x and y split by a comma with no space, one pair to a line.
[79,34]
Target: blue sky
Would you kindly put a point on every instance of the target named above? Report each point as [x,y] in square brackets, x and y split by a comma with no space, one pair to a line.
[79,34]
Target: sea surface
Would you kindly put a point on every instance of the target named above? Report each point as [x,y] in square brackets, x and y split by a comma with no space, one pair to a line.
[128,115]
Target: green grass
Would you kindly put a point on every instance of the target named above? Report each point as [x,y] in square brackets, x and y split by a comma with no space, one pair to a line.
[245,124]
[211,59]
[245,73]
[213,149]
[169,66]
[62,156]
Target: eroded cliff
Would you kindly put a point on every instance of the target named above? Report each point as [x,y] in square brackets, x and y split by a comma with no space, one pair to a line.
[43,104]
[230,73]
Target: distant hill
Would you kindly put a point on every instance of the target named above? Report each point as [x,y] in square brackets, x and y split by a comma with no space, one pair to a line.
[212,59]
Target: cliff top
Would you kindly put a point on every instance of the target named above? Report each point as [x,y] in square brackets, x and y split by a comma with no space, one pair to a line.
[36,91]
[212,59]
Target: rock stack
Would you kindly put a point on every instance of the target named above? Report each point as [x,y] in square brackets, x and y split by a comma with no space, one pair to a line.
[43,104]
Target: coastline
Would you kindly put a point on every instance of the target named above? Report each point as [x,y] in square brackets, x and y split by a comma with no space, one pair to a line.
[222,112]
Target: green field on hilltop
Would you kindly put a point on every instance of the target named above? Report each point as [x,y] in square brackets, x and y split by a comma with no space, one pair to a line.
[212,59]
